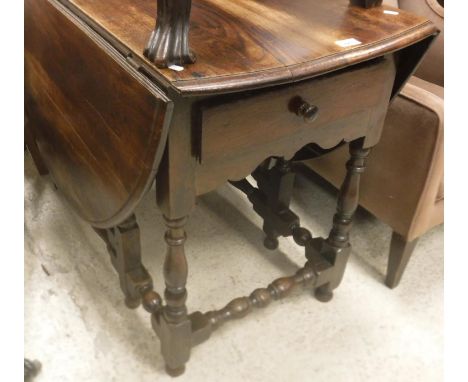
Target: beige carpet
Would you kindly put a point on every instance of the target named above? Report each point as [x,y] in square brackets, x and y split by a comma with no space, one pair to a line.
[77,325]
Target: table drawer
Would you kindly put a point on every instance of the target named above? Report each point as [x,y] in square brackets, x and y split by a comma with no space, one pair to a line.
[326,110]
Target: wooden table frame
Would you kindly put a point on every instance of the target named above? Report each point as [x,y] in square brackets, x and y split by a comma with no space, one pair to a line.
[323,271]
[190,135]
[169,42]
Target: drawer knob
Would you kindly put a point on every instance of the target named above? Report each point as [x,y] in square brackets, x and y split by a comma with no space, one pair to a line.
[304,109]
[307,111]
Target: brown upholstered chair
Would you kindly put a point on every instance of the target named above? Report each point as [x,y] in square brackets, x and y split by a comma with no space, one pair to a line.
[403,184]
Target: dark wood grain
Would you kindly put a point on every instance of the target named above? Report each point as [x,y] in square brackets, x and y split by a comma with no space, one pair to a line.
[238,135]
[100,126]
[103,119]
[245,44]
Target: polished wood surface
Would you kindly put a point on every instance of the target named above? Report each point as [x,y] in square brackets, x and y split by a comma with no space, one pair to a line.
[105,118]
[237,135]
[169,42]
[251,43]
[100,126]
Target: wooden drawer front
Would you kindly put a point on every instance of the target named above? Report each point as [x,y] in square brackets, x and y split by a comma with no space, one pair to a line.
[350,104]
[99,125]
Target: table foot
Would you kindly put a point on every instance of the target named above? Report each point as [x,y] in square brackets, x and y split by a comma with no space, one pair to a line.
[324,294]
[31,369]
[132,303]
[271,243]
[175,372]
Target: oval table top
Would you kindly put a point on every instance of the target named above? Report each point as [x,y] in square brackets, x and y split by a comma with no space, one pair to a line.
[244,44]
[99,125]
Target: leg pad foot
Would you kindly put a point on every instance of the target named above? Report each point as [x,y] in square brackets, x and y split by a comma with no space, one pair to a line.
[132,303]
[323,294]
[175,372]
[271,243]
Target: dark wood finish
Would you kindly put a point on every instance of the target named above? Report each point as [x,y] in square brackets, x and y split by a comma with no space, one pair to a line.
[176,198]
[337,247]
[173,325]
[99,125]
[107,122]
[123,245]
[226,131]
[249,44]
[261,297]
[169,42]
[366,3]
[271,200]
[348,198]
[231,149]
[400,253]
[277,184]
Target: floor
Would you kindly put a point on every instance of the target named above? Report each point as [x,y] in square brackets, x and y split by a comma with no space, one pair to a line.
[76,323]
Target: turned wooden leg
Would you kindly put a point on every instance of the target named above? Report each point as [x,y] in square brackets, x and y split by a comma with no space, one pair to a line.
[400,253]
[123,245]
[277,184]
[175,195]
[337,247]
[173,325]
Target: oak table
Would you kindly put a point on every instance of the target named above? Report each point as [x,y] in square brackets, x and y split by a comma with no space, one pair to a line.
[217,91]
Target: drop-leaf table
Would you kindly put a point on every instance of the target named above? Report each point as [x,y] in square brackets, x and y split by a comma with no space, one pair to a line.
[193,94]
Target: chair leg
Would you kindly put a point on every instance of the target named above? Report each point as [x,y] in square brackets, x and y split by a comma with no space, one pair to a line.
[400,253]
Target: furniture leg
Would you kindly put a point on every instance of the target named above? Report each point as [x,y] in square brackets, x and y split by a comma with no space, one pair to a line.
[30,141]
[277,184]
[170,321]
[123,245]
[176,198]
[31,369]
[400,253]
[173,325]
[337,248]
